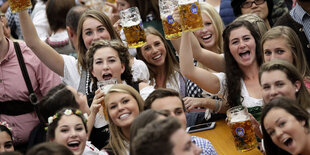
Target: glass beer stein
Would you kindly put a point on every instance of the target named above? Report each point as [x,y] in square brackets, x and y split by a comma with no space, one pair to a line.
[241,128]
[190,15]
[133,28]
[19,5]
[172,29]
[104,86]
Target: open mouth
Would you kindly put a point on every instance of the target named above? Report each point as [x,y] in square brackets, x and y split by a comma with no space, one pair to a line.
[107,76]
[124,116]
[206,37]
[156,57]
[288,142]
[74,145]
[244,54]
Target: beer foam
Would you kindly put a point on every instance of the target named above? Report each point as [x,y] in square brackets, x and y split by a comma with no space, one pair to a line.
[131,23]
[239,118]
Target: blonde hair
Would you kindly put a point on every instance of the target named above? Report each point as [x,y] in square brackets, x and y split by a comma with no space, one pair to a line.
[217,22]
[293,42]
[118,142]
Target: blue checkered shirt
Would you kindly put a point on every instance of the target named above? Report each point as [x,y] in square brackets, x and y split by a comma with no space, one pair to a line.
[303,18]
[205,145]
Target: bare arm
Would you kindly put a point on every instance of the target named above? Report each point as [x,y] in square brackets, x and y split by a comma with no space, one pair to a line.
[203,78]
[44,52]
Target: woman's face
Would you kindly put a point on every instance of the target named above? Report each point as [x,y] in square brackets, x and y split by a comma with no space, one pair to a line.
[260,10]
[207,36]
[6,143]
[94,30]
[122,5]
[154,51]
[277,49]
[242,46]
[275,84]
[107,64]
[122,108]
[285,131]
[71,133]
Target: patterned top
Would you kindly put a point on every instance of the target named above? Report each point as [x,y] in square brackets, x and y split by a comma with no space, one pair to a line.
[205,145]
[303,18]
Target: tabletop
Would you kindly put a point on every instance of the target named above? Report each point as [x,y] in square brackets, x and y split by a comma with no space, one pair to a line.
[222,140]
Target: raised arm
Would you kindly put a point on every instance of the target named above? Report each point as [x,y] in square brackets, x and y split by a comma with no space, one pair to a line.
[44,52]
[203,78]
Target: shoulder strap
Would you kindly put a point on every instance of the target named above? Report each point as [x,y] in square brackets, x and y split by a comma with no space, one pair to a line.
[32,96]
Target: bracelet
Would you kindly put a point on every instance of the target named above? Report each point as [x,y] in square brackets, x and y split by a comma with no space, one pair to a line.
[220,106]
[216,106]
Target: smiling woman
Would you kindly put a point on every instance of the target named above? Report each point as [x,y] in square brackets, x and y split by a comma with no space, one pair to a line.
[285,127]
[6,140]
[123,104]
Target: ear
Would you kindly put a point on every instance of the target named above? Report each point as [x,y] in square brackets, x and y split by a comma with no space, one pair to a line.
[69,31]
[297,85]
[123,68]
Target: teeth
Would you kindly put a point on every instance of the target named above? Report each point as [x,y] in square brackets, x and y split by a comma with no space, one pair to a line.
[207,37]
[123,116]
[156,57]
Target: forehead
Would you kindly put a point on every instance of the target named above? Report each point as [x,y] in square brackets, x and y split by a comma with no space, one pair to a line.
[70,120]
[117,96]
[4,136]
[152,37]
[274,74]
[167,103]
[274,114]
[105,52]
[91,22]
[239,32]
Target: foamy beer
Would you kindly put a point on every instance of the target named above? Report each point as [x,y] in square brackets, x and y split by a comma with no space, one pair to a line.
[172,29]
[241,128]
[190,15]
[104,86]
[133,28]
[19,5]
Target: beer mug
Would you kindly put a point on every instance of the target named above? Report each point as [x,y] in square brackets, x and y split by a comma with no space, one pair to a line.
[172,29]
[190,15]
[19,5]
[104,86]
[241,128]
[133,28]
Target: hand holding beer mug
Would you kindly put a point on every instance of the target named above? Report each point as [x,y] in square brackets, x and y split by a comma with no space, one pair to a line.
[133,28]
[241,128]
[190,15]
[19,5]
[172,28]
[104,86]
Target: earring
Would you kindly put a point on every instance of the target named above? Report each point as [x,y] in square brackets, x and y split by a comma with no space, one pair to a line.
[297,90]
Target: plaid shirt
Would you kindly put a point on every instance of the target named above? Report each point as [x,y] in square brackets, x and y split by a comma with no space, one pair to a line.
[205,145]
[13,21]
[303,18]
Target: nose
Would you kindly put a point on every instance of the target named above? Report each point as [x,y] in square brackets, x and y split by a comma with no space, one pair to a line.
[278,133]
[73,133]
[197,150]
[105,65]
[96,36]
[273,92]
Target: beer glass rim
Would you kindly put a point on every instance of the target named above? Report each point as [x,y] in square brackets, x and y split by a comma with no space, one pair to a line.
[235,108]
[129,9]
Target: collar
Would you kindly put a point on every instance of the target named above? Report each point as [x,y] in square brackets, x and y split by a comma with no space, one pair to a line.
[298,13]
[11,52]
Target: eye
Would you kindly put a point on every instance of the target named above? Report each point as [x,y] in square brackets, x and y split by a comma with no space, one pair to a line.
[79,129]
[282,124]
[207,23]
[125,101]
[157,43]
[88,33]
[111,60]
[113,106]
[266,87]
[101,29]
[246,38]
[271,133]
[234,42]
[178,112]
[267,52]
[280,51]
[64,130]
[279,84]
[147,48]
[98,62]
